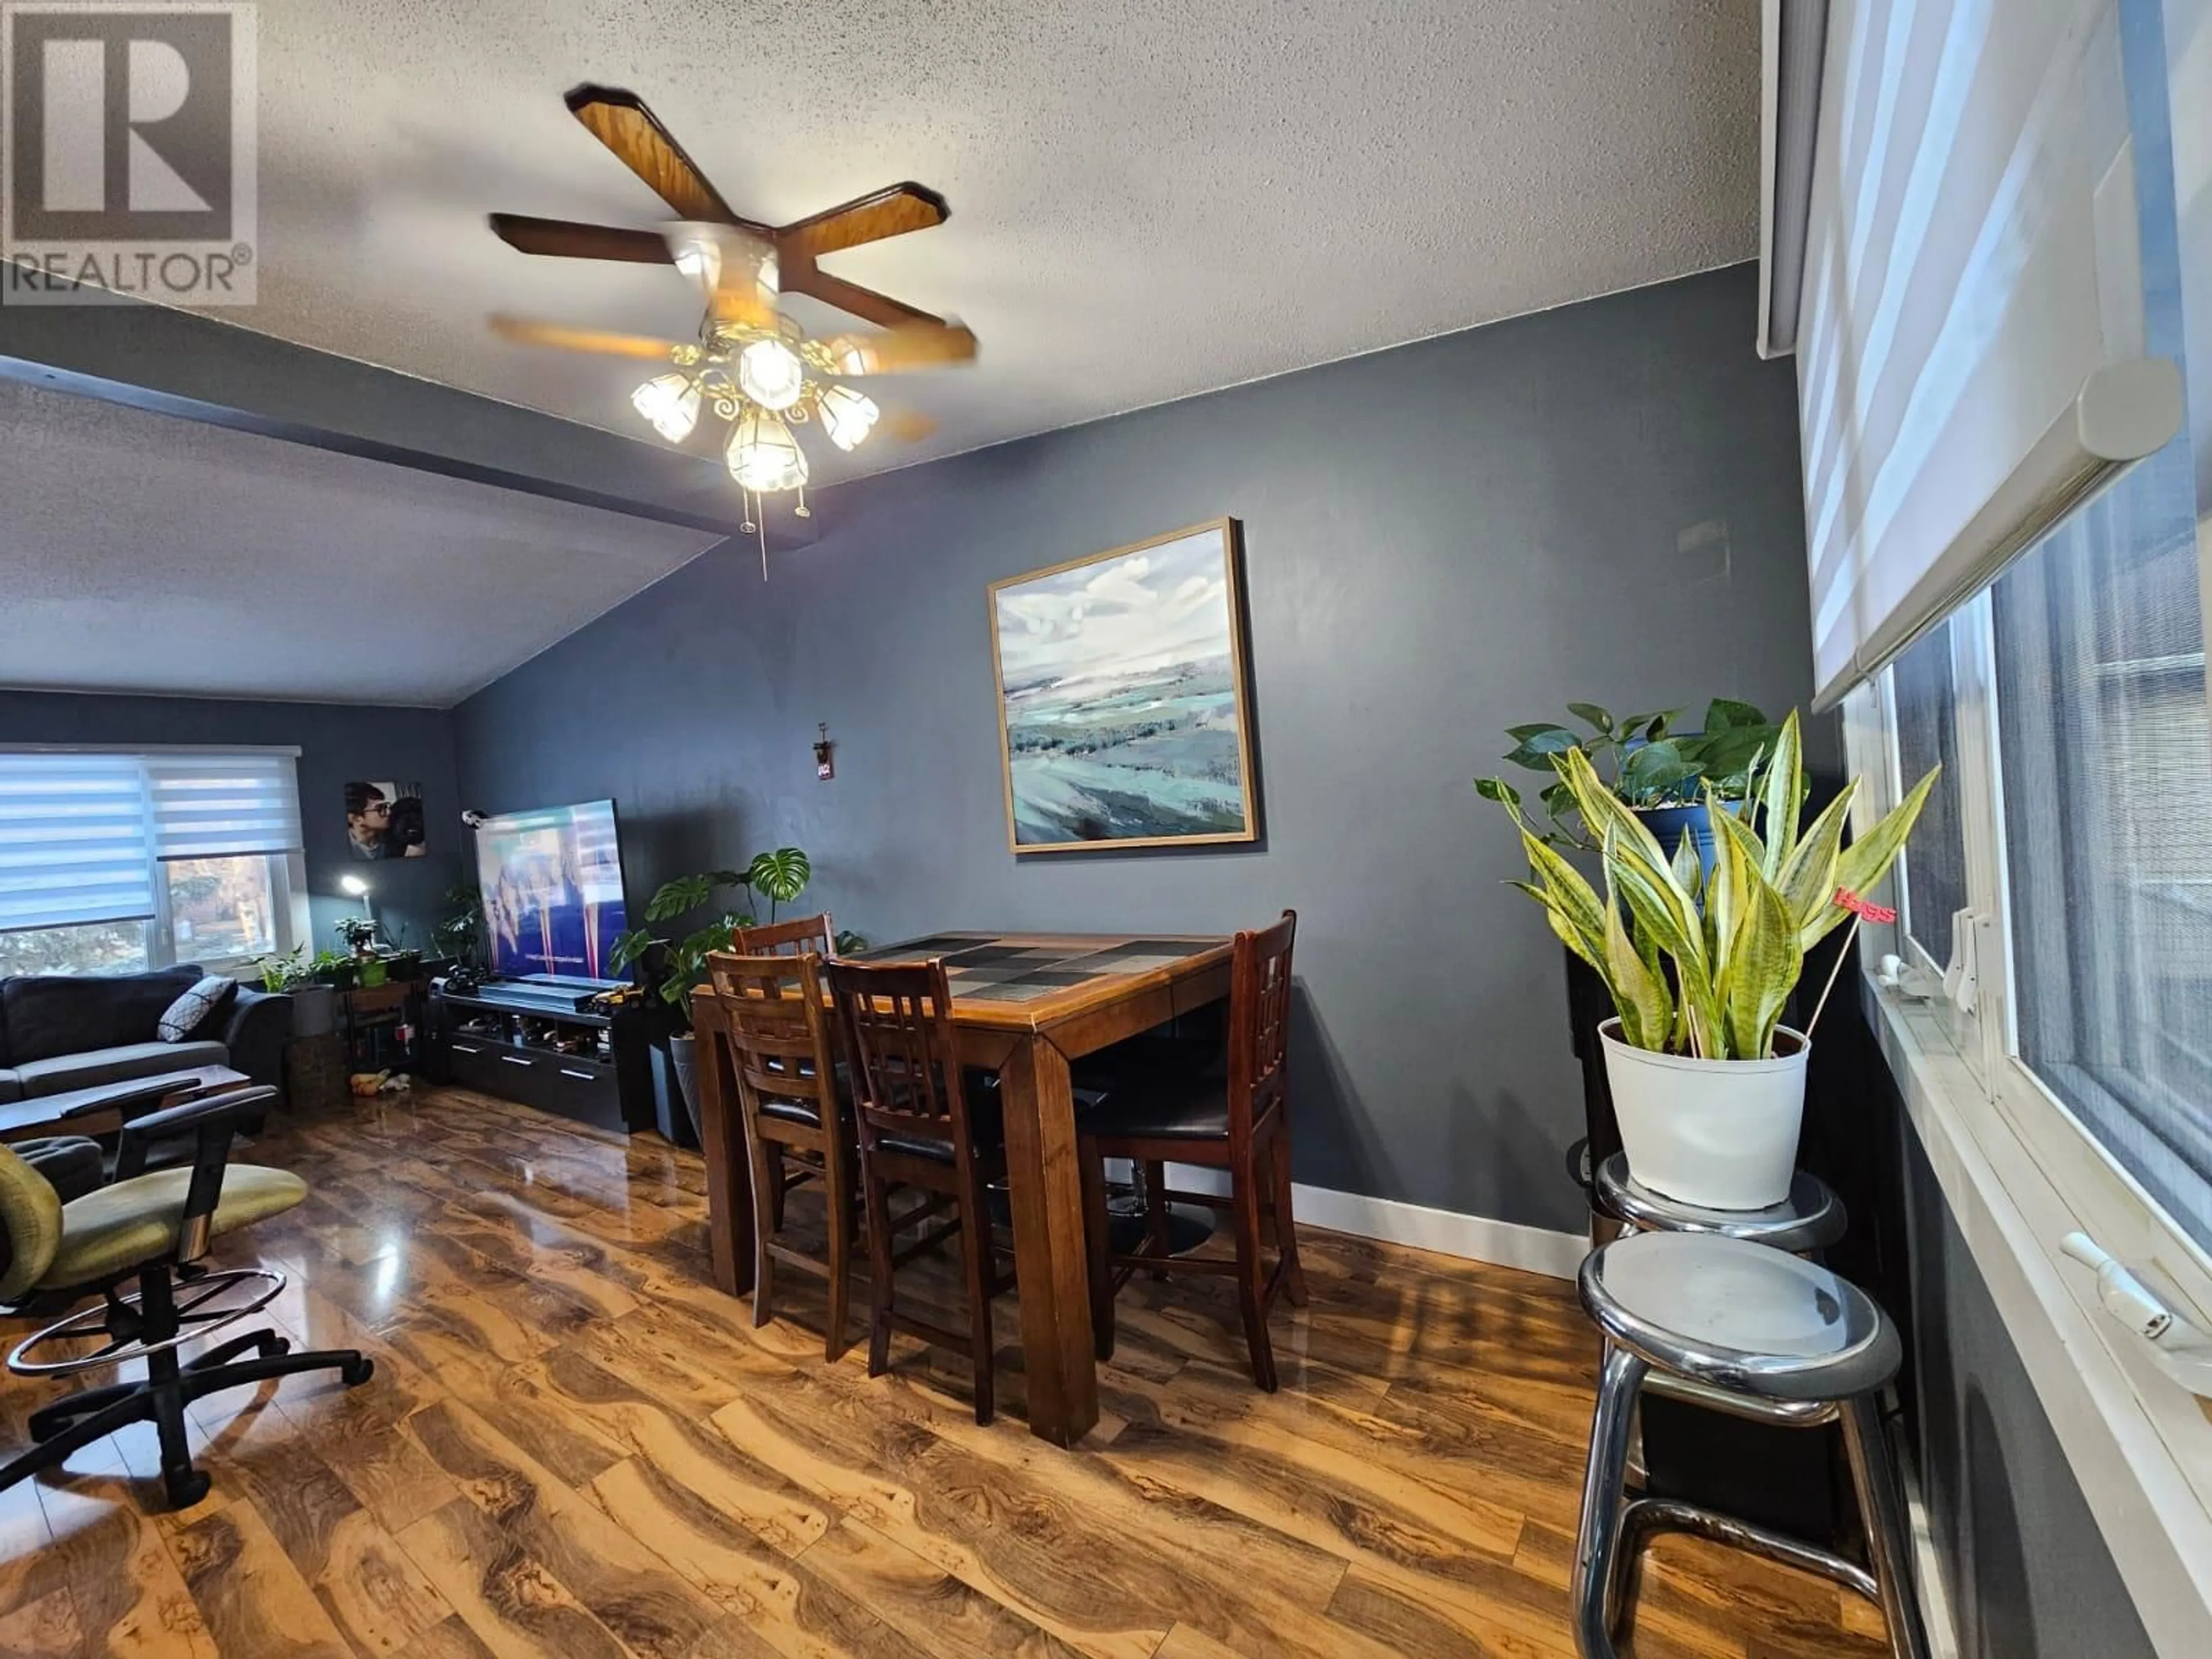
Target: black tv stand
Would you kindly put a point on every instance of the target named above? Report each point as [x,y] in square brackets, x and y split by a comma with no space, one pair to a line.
[541,1041]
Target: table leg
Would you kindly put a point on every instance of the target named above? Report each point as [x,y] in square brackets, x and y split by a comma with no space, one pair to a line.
[729,1183]
[1050,1264]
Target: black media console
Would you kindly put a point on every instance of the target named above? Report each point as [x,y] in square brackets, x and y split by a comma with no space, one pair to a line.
[543,1042]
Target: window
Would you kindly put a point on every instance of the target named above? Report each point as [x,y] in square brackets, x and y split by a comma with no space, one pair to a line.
[1933,879]
[89,947]
[220,909]
[2108,759]
[2064,1082]
[113,861]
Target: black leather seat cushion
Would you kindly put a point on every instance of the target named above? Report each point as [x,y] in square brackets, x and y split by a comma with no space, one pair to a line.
[986,1125]
[1190,1109]
[791,1111]
[1151,1057]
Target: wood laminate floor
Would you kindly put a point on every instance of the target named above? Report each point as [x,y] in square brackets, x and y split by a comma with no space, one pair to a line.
[573,1447]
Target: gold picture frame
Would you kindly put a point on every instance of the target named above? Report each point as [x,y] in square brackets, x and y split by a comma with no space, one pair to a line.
[1145,660]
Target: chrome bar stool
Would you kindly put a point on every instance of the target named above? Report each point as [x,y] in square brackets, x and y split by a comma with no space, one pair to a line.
[1806,1223]
[1769,1336]
[1810,1219]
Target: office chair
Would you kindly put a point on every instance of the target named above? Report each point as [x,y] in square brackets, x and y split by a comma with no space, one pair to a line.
[154,1229]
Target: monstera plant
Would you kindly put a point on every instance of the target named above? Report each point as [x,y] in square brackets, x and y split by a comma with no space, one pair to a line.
[671,969]
[778,878]
[1701,963]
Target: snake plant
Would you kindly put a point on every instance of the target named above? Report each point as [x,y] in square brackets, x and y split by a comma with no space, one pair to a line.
[1697,964]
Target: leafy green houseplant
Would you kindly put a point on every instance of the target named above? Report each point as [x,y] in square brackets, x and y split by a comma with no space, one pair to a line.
[671,969]
[1701,964]
[334,969]
[1661,772]
[459,934]
[284,973]
[679,966]
[314,1004]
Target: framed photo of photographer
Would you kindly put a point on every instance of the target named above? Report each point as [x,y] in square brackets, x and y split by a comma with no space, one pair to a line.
[383,820]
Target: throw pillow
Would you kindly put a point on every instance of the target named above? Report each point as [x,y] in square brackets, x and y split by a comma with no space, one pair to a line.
[195,1007]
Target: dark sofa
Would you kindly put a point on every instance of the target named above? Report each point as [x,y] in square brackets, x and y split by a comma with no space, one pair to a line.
[59,1032]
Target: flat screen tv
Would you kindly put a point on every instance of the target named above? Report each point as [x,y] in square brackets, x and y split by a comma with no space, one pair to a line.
[552,885]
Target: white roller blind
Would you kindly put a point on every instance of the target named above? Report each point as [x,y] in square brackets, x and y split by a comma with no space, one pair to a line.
[1973,266]
[216,804]
[75,840]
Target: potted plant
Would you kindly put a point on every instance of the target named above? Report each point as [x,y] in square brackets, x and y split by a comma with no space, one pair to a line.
[671,969]
[359,934]
[314,1005]
[340,972]
[459,934]
[1708,1085]
[1663,776]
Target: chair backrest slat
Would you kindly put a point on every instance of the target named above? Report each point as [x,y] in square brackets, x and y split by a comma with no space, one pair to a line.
[1259,1023]
[897,1021]
[796,938]
[779,1032]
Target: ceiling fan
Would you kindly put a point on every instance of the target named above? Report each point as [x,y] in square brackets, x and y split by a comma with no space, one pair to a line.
[755,367]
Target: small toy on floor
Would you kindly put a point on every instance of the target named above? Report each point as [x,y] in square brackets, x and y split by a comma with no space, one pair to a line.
[379,1082]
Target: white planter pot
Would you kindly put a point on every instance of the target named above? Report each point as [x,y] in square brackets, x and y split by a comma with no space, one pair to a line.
[314,1011]
[1718,1133]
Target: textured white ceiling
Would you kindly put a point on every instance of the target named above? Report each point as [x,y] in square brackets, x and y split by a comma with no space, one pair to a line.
[1150,198]
[139,552]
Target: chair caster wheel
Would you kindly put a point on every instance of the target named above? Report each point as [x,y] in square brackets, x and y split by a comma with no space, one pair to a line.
[186,1489]
[354,1372]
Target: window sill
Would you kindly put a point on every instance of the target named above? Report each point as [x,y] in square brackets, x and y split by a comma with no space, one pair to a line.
[2153,1518]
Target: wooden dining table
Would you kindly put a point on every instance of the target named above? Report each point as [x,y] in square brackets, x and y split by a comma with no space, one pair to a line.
[1025,1005]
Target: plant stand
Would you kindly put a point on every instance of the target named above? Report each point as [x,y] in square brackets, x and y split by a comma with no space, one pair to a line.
[1779,1479]
[315,1073]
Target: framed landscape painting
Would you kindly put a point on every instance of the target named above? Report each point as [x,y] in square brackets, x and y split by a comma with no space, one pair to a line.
[1122,714]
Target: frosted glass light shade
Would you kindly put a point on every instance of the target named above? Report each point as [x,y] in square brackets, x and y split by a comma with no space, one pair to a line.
[846,415]
[764,457]
[770,373]
[671,402]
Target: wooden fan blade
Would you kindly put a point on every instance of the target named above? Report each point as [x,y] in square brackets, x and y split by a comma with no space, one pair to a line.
[619,119]
[523,330]
[905,426]
[890,212]
[566,239]
[927,345]
[870,306]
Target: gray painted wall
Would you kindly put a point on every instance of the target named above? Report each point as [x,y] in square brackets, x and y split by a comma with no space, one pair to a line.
[2028,1571]
[336,744]
[1440,540]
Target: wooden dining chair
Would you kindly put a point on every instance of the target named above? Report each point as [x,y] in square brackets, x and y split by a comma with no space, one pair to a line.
[1240,1125]
[793,938]
[782,1051]
[918,1129]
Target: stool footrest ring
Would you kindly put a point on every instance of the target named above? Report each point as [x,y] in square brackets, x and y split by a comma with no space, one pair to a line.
[1647,1515]
[195,1319]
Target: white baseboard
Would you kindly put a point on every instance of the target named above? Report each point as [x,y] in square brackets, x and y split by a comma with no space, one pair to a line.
[1471,1237]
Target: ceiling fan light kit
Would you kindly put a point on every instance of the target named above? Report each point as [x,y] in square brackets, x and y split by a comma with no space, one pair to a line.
[755,367]
[671,402]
